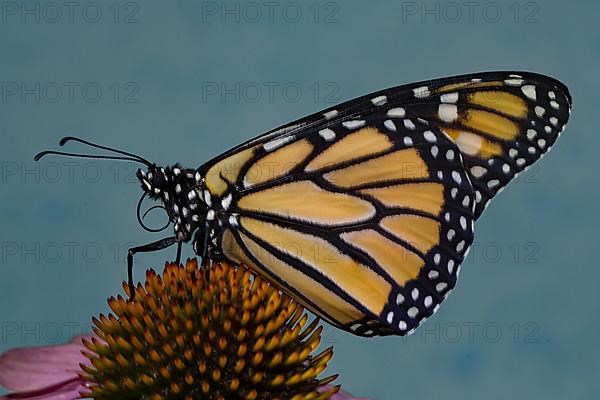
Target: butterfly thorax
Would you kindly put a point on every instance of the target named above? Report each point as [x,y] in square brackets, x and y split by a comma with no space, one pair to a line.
[180,190]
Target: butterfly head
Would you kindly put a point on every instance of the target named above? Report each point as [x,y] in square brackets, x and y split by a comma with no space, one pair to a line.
[178,188]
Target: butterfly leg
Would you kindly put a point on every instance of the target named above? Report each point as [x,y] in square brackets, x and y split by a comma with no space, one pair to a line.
[154,246]
[178,259]
[205,242]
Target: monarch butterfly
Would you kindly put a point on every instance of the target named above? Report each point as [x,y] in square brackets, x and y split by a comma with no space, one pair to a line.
[363,212]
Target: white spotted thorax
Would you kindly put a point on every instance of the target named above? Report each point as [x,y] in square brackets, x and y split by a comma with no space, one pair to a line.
[188,205]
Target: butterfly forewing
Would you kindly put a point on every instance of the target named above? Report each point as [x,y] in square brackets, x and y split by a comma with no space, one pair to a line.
[501,123]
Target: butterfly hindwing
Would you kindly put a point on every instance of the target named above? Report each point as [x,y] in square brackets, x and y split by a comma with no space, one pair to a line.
[366,222]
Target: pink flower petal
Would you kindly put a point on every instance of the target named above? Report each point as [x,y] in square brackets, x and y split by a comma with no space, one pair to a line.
[32,369]
[341,395]
[63,391]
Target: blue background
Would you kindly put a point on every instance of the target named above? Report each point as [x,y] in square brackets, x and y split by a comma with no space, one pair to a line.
[524,320]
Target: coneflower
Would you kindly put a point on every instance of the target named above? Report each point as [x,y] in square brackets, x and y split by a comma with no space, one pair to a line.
[215,332]
[206,333]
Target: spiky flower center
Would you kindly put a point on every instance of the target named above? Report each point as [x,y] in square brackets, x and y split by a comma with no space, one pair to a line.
[214,332]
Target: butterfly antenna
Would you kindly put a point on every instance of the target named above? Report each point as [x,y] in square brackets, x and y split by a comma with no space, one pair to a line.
[125,156]
[66,139]
[62,153]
